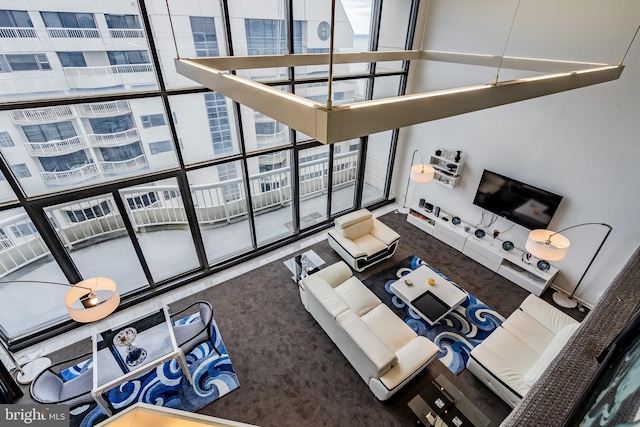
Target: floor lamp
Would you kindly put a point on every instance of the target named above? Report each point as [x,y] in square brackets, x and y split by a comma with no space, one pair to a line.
[420,174]
[87,301]
[553,246]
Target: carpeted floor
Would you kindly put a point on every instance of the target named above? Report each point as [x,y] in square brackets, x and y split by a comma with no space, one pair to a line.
[291,372]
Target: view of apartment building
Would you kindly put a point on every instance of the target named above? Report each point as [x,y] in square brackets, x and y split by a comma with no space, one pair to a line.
[97,103]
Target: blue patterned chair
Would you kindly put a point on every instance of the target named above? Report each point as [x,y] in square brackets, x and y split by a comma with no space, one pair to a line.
[50,387]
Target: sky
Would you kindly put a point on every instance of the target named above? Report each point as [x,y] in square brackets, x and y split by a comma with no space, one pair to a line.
[359,14]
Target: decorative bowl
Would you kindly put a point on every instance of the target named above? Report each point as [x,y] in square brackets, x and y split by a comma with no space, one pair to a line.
[507,245]
[479,234]
[455,220]
[544,265]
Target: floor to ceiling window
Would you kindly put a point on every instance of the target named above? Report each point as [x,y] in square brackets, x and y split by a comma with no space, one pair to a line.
[112,164]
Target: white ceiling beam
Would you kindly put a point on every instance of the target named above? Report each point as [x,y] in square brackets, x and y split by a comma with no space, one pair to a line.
[353,120]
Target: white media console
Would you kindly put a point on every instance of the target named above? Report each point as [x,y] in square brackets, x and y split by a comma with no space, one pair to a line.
[486,250]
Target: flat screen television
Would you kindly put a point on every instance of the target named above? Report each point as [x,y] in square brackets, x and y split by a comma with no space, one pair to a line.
[524,204]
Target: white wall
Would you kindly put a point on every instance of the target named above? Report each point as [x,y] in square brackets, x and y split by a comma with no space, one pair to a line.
[582,144]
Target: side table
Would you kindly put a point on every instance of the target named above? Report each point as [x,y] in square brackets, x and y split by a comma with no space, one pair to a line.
[442,404]
[309,261]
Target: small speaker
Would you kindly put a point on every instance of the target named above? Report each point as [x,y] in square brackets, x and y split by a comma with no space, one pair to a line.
[421,204]
[436,211]
[428,207]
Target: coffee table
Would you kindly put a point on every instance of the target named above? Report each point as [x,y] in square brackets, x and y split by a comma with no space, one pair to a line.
[442,404]
[430,302]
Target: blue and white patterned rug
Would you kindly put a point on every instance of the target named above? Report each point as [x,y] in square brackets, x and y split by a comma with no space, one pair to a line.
[213,377]
[457,333]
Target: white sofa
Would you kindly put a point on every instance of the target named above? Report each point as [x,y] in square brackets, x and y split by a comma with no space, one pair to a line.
[362,240]
[379,345]
[514,356]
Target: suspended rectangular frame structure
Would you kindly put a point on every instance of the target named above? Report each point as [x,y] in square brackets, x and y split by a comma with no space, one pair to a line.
[348,121]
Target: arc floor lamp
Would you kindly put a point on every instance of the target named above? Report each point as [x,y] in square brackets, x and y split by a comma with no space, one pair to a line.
[420,174]
[87,301]
[553,246]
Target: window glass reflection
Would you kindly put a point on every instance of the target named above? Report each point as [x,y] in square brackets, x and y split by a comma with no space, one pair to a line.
[270,186]
[206,126]
[56,148]
[199,32]
[6,192]
[157,214]
[261,131]
[220,202]
[96,239]
[376,167]
[58,53]
[346,155]
[313,164]
[24,256]
[261,30]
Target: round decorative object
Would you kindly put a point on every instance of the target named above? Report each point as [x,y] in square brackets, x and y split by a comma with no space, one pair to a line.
[479,234]
[455,220]
[136,356]
[526,257]
[507,245]
[125,337]
[324,30]
[544,265]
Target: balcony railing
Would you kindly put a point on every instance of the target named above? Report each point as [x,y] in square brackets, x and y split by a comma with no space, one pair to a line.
[56,148]
[269,190]
[18,250]
[270,140]
[104,108]
[75,175]
[74,33]
[38,115]
[125,166]
[18,32]
[114,139]
[107,70]
[126,33]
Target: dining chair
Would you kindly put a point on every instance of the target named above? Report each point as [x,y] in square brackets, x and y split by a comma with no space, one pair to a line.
[50,387]
[190,335]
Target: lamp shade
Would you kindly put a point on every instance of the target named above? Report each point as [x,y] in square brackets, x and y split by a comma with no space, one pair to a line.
[421,173]
[548,245]
[92,299]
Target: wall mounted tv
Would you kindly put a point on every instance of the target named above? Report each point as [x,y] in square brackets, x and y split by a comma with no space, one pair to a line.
[524,204]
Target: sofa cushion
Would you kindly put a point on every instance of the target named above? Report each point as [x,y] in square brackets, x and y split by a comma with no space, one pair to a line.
[357,296]
[356,230]
[389,327]
[367,341]
[411,357]
[351,218]
[529,331]
[549,316]
[383,233]
[507,358]
[370,244]
[334,274]
[552,350]
[325,295]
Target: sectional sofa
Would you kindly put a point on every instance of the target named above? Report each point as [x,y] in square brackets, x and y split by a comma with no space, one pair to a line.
[384,351]
[515,355]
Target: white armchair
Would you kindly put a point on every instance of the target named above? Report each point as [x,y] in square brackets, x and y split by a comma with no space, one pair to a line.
[362,240]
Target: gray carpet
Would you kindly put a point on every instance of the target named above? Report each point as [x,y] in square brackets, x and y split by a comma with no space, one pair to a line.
[291,373]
